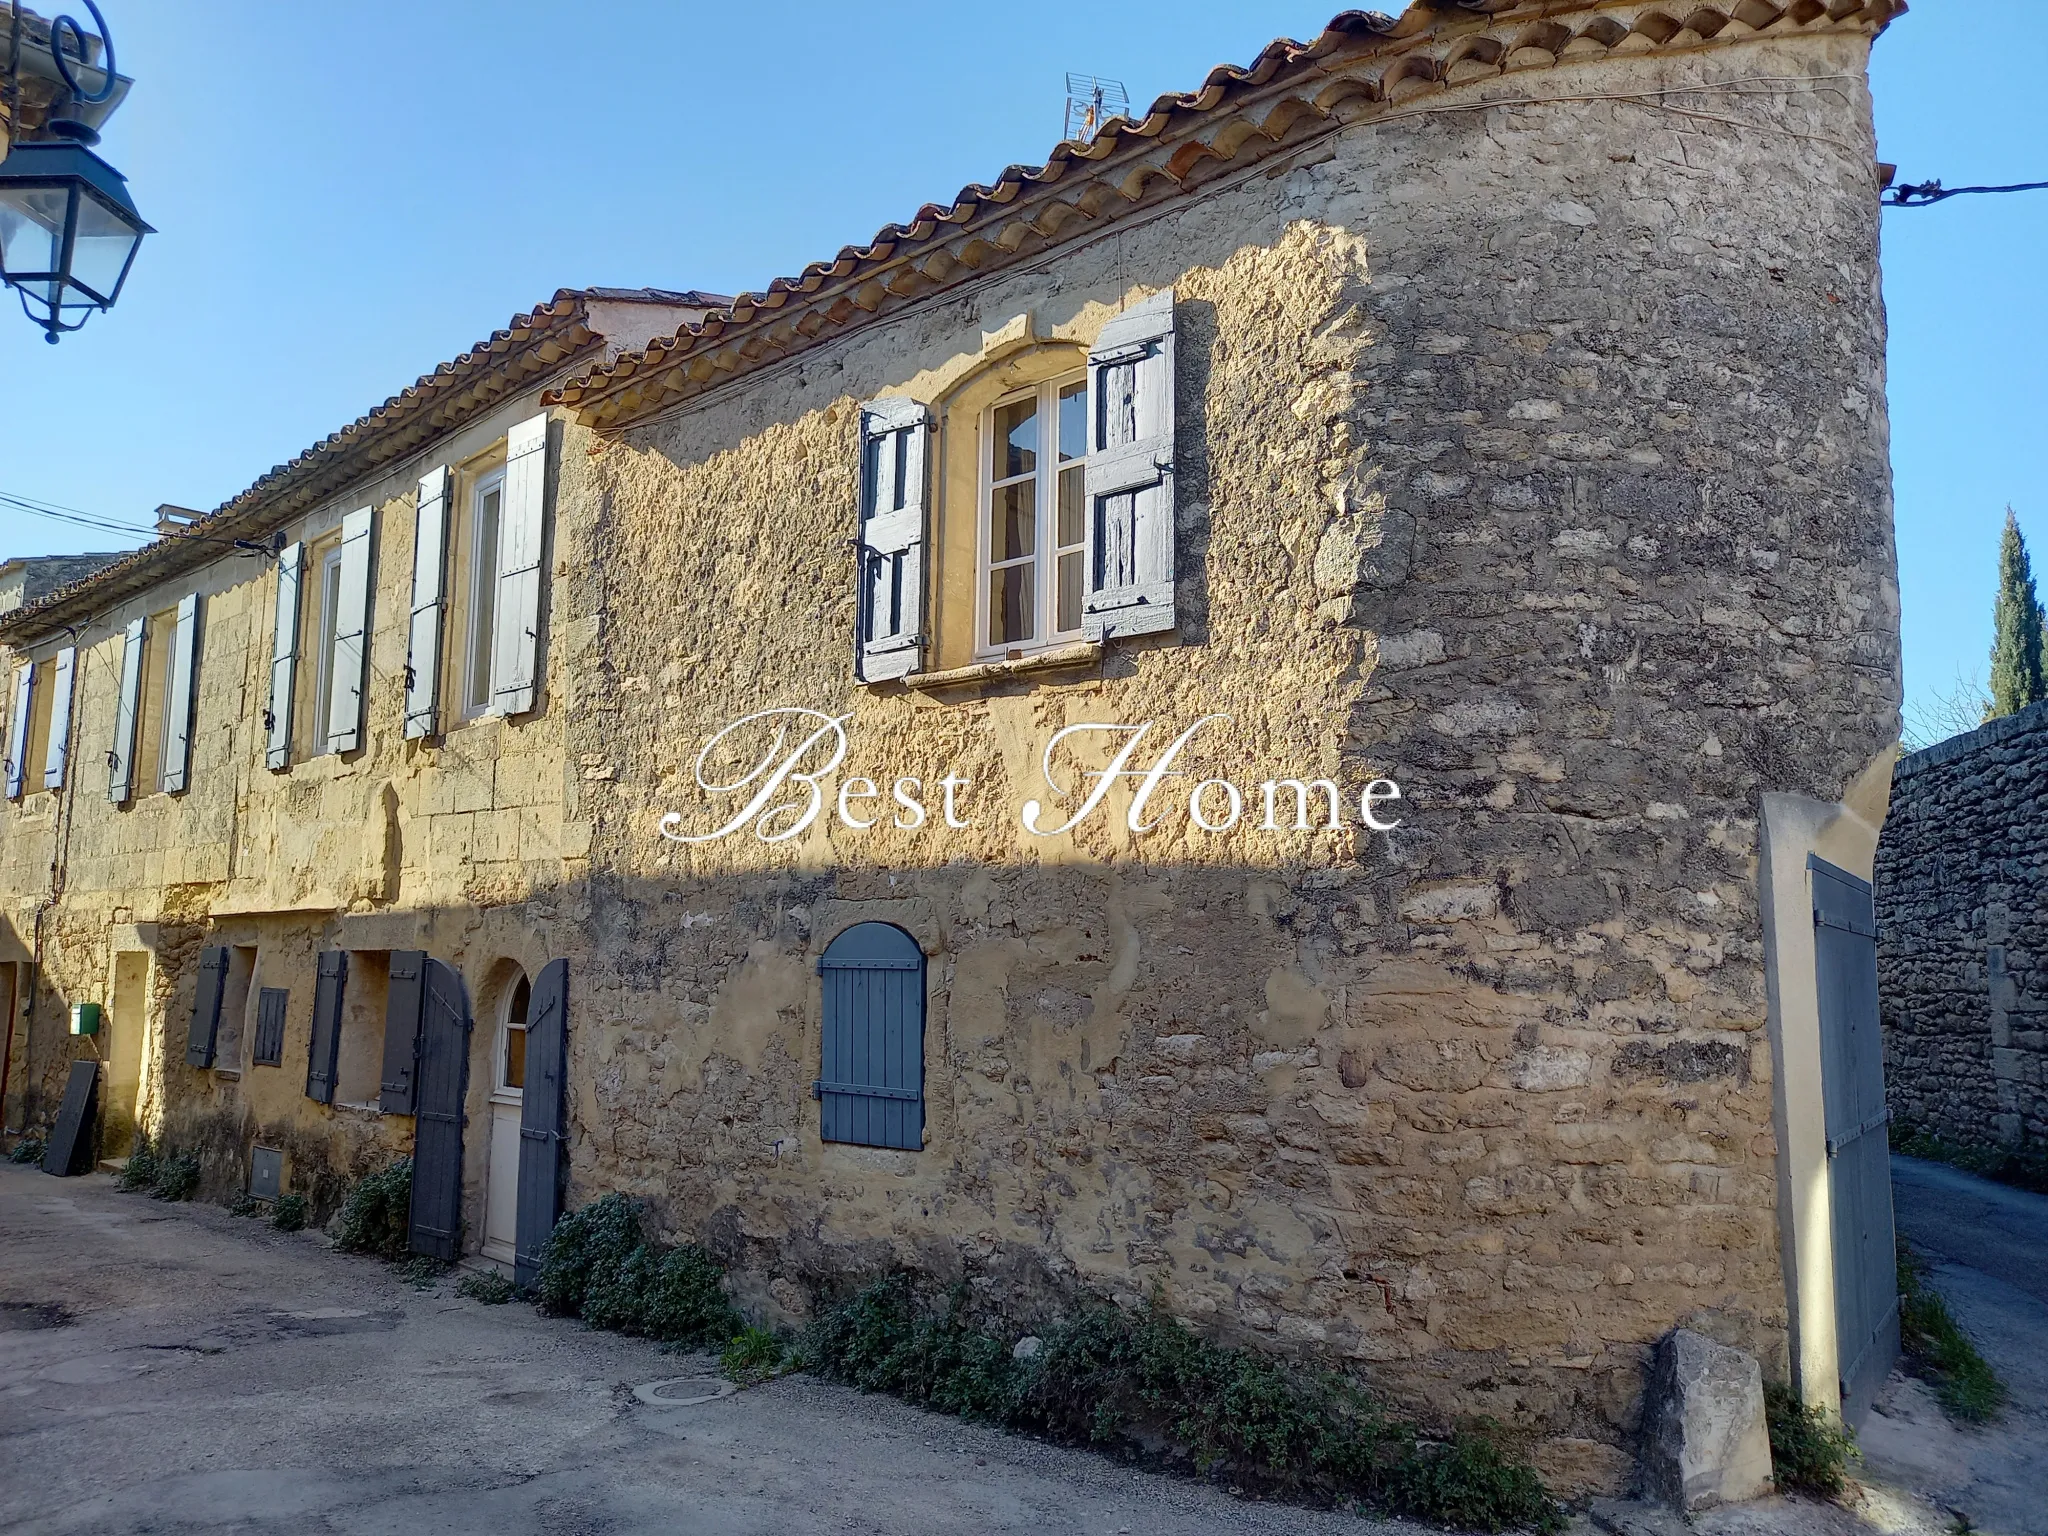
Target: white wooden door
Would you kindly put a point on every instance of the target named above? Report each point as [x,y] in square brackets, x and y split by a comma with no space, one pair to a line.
[501,1206]
[508,1083]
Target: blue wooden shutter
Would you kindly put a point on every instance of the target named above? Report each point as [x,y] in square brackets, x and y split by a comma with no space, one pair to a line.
[1130,487]
[894,436]
[543,1120]
[522,525]
[284,657]
[871,1088]
[213,978]
[17,731]
[271,1004]
[435,1225]
[58,752]
[351,658]
[182,695]
[127,713]
[423,643]
[324,1049]
[402,1008]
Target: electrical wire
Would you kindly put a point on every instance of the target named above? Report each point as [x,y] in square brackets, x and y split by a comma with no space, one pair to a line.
[1924,194]
[62,514]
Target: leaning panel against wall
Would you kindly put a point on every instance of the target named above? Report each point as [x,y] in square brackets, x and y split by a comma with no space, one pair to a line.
[1459,498]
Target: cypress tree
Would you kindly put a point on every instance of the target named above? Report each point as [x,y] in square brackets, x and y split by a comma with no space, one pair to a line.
[2016,675]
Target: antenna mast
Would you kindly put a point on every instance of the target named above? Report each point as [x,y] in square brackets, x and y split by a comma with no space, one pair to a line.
[1091,102]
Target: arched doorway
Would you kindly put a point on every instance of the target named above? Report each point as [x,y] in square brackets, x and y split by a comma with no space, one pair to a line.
[508,1093]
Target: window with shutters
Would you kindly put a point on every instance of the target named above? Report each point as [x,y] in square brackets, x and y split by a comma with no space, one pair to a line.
[870,1088]
[359,1055]
[1051,522]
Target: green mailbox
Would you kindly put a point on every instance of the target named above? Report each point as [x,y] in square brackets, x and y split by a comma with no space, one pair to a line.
[85,1018]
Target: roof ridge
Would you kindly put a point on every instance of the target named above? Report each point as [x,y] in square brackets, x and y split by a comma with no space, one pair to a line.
[606,395]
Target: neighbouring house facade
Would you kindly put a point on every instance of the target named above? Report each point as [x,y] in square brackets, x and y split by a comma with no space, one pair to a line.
[1258,714]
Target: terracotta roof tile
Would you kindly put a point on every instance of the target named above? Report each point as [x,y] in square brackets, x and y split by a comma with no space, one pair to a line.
[1430,46]
[530,347]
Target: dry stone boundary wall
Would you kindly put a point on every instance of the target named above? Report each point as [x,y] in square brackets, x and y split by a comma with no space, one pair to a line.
[1962,876]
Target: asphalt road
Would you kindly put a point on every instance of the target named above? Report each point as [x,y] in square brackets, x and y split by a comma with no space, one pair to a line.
[173,1368]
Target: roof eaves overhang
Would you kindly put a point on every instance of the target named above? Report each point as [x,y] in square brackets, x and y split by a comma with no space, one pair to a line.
[531,349]
[1363,65]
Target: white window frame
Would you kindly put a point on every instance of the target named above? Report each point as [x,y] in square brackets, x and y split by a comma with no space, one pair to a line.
[500,1090]
[1046,551]
[328,628]
[482,582]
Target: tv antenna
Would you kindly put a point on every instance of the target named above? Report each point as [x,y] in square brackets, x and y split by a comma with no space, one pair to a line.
[1091,102]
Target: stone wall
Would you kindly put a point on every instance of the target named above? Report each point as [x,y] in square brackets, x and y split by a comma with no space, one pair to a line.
[1962,950]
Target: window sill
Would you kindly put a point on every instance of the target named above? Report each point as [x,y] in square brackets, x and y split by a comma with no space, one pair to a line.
[1081,653]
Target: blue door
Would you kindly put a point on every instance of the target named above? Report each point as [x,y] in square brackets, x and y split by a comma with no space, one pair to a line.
[871,1085]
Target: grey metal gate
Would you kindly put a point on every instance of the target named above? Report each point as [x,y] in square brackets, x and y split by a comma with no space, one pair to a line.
[439,1087]
[1859,1151]
[871,1091]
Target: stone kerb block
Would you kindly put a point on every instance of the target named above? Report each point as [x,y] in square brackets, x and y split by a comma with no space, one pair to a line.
[1707,1440]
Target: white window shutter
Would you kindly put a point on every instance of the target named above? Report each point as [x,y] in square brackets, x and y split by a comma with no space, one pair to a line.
[284,657]
[179,696]
[17,731]
[423,642]
[895,435]
[515,637]
[1130,559]
[59,750]
[351,661]
[127,714]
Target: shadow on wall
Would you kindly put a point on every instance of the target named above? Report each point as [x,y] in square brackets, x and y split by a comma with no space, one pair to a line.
[1286,1097]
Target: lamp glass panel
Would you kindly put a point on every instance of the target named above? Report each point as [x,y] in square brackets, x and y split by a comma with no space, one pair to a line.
[99,254]
[31,228]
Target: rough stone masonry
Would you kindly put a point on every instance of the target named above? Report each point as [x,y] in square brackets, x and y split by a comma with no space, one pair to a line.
[1962,949]
[1530,451]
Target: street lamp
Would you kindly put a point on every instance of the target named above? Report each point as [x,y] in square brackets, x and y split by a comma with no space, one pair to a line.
[68,228]
[68,232]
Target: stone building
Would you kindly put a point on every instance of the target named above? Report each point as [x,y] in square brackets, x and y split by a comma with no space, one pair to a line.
[1240,715]
[1962,905]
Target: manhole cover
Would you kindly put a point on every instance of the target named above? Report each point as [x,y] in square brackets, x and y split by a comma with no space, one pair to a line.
[684,1391]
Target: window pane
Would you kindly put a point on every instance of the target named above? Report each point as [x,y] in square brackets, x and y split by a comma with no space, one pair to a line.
[1012,521]
[1071,500]
[1010,602]
[1070,592]
[330,614]
[1016,439]
[1073,420]
[515,1059]
[484,584]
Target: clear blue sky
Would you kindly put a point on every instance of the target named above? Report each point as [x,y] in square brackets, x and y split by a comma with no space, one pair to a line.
[349,195]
